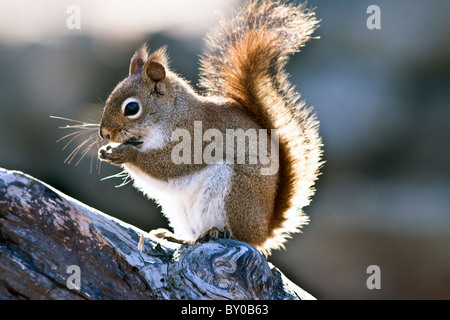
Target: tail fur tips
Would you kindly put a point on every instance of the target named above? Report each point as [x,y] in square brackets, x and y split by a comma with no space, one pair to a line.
[244,62]
[265,34]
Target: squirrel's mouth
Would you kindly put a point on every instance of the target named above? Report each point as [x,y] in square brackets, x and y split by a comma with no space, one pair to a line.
[133,142]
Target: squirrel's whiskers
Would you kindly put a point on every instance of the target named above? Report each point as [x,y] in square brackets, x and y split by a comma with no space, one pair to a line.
[82,129]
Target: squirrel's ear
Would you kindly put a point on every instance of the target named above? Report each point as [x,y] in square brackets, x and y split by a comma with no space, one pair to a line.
[138,60]
[155,67]
[155,71]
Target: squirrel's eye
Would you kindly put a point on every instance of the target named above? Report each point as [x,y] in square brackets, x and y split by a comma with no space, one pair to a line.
[131,109]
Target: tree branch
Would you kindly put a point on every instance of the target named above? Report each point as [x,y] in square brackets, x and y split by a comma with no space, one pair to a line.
[49,241]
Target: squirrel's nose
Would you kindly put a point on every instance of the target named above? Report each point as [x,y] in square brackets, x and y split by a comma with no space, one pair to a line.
[104,134]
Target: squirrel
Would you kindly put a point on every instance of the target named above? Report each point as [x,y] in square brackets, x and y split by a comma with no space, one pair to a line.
[246,88]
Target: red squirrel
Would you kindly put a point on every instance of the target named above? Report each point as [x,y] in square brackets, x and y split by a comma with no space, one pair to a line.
[174,142]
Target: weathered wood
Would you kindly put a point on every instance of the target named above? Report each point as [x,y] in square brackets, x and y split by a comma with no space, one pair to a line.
[43,232]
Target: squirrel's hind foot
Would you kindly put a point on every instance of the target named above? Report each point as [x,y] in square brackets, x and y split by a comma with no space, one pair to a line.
[165,234]
[214,234]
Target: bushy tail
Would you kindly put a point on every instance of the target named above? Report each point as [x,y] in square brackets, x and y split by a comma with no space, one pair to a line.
[244,62]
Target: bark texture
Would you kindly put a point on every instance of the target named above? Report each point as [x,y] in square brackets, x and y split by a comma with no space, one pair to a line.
[54,247]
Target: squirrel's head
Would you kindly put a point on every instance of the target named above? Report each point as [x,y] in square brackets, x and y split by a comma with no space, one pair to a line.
[138,107]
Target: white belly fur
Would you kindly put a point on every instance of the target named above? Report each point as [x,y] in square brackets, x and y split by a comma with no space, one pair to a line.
[192,204]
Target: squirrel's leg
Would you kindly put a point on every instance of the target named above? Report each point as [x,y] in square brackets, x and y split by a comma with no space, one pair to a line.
[249,206]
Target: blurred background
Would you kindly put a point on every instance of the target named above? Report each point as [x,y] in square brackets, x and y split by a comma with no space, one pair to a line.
[382,97]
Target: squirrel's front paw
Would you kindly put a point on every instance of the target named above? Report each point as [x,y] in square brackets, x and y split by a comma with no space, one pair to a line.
[117,155]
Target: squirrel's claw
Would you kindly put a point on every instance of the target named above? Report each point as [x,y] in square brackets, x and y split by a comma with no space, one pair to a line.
[214,234]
